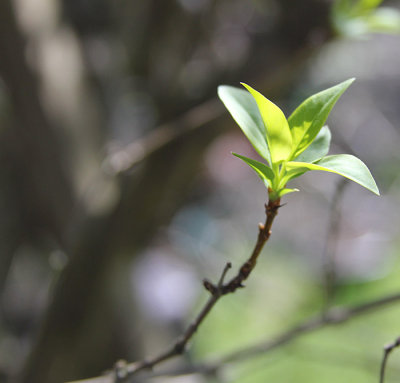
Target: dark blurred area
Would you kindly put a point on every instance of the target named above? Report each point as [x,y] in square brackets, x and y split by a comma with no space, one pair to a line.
[118,192]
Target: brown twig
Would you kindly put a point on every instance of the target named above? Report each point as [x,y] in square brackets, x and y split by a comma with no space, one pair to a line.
[333,316]
[386,352]
[123,371]
[264,232]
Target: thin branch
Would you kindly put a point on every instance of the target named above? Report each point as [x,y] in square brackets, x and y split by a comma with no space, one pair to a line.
[334,316]
[271,210]
[127,158]
[386,352]
[124,371]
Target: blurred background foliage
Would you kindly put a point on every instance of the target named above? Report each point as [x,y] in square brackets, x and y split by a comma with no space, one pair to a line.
[119,194]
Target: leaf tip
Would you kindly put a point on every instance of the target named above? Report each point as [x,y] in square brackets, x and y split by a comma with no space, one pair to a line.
[349,81]
[238,156]
[221,89]
[376,191]
[248,87]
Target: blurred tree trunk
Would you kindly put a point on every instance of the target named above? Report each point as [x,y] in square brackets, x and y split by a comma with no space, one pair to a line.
[31,146]
[83,332]
[36,193]
[83,317]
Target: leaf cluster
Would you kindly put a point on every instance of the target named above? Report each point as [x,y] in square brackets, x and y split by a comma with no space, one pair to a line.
[295,145]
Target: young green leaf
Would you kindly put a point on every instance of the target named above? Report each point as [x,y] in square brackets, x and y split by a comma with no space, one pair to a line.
[307,120]
[283,192]
[244,111]
[344,164]
[264,171]
[293,173]
[318,148]
[279,137]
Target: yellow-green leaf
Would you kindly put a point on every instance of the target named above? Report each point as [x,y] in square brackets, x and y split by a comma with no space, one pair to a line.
[278,133]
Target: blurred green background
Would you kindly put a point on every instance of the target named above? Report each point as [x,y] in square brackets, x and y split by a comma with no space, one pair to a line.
[119,194]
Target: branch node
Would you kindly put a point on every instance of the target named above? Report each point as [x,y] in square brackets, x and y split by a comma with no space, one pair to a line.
[386,352]
[388,347]
[120,370]
[391,346]
[209,286]
[179,348]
